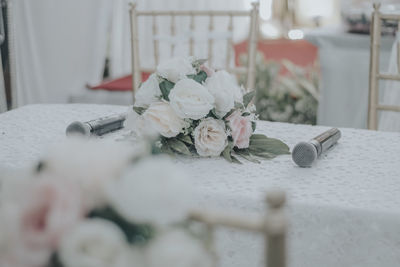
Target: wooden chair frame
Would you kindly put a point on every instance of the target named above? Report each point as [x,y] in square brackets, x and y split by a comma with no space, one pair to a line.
[273,226]
[249,70]
[374,73]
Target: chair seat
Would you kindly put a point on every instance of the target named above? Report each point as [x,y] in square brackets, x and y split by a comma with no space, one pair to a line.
[122,84]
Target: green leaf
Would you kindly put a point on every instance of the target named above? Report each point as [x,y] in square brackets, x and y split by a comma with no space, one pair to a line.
[165,87]
[179,146]
[248,97]
[139,110]
[260,144]
[186,139]
[253,125]
[198,62]
[227,153]
[244,153]
[235,160]
[134,233]
[199,77]
[238,105]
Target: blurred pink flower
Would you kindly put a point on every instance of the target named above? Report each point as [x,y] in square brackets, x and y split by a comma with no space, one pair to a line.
[45,210]
[241,129]
[209,71]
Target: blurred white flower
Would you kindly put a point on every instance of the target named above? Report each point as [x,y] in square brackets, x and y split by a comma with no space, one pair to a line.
[148,92]
[175,69]
[152,191]
[95,243]
[89,164]
[210,137]
[177,249]
[190,99]
[138,125]
[225,90]
[162,118]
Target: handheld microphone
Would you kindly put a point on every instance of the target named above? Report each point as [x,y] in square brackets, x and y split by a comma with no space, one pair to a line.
[305,153]
[98,126]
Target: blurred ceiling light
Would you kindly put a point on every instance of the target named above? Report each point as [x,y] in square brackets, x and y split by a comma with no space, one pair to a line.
[296,34]
[265,9]
[270,31]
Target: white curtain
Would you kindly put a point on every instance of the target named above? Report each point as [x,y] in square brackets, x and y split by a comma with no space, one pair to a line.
[58,47]
[390,120]
[120,54]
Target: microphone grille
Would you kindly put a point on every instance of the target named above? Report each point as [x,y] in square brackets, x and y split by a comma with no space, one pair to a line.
[78,128]
[304,154]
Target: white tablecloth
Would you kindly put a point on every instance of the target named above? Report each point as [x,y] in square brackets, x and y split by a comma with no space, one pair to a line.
[344,211]
[344,59]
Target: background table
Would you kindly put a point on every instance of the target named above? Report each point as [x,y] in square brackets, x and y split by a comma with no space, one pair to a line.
[344,211]
[344,59]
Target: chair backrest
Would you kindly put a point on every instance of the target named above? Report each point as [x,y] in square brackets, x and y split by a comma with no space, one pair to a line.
[248,70]
[374,73]
[273,226]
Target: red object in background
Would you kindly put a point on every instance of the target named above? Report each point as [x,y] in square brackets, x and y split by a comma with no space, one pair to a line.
[300,52]
[120,84]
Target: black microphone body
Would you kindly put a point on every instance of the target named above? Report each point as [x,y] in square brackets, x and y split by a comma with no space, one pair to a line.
[305,153]
[98,126]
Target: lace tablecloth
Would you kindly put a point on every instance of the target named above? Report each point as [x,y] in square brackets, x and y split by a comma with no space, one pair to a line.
[344,211]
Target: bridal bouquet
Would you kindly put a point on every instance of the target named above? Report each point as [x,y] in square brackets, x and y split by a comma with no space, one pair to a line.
[198,111]
[92,204]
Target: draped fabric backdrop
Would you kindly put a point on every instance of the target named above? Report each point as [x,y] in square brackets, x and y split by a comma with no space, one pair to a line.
[390,95]
[120,60]
[59,46]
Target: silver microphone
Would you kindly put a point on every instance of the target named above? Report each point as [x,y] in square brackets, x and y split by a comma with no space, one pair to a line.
[305,153]
[98,126]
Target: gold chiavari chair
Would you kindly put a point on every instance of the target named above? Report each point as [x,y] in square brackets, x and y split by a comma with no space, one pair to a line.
[273,226]
[374,73]
[248,70]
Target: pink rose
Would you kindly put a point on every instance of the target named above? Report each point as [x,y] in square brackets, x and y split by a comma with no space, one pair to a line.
[209,71]
[44,210]
[241,129]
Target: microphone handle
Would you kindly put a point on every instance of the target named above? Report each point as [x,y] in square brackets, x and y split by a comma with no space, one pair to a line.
[325,140]
[98,126]
[106,125]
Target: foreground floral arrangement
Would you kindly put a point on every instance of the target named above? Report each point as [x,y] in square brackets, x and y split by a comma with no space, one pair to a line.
[199,111]
[96,204]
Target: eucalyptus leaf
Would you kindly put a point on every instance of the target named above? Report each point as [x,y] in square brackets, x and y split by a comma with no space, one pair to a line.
[179,146]
[165,87]
[244,153]
[186,139]
[199,77]
[248,97]
[235,160]
[134,233]
[227,153]
[253,125]
[261,144]
[238,105]
[139,110]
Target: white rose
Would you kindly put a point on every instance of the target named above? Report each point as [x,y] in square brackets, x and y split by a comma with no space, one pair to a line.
[178,249]
[95,243]
[225,90]
[152,191]
[190,99]
[175,69]
[210,137]
[148,92]
[162,118]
